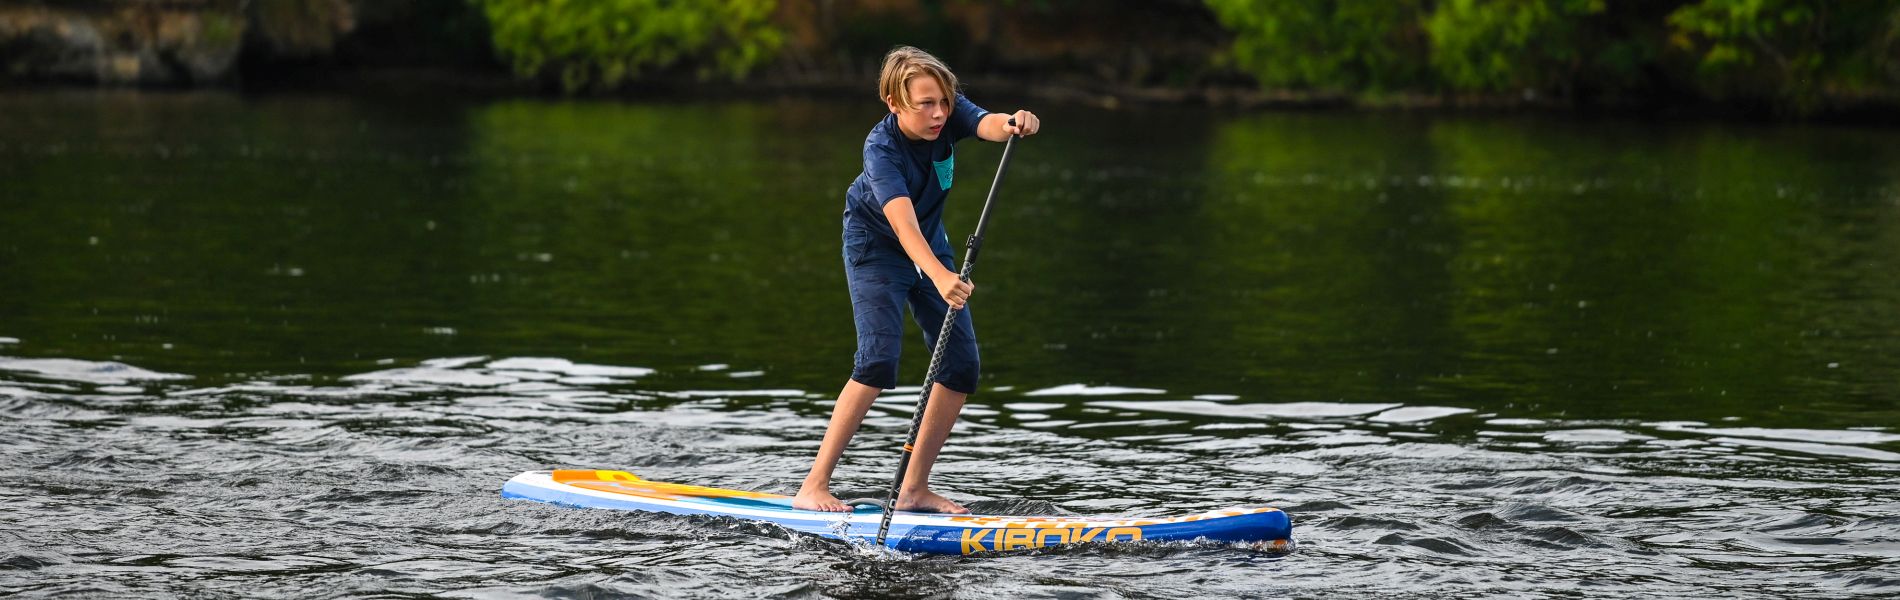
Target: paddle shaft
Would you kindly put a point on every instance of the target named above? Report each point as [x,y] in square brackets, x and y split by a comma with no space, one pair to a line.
[970,249]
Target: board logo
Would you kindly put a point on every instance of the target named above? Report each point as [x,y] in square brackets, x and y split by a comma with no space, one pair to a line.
[1040,537]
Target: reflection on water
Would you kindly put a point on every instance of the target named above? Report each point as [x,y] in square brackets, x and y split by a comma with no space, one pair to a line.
[292,345]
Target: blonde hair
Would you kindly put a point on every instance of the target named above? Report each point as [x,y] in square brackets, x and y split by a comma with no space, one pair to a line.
[905,63]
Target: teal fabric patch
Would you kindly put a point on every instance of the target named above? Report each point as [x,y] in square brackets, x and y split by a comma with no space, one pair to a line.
[945,168]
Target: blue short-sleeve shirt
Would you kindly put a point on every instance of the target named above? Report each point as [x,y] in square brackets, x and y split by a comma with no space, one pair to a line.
[924,171]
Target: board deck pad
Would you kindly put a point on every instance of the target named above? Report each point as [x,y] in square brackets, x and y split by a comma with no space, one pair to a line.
[1264,527]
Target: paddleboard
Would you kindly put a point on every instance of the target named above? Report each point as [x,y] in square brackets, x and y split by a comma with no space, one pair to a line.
[1264,528]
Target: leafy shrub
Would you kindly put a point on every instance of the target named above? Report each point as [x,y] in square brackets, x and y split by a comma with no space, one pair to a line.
[600,44]
[1789,54]
[1506,45]
[1789,51]
[1339,45]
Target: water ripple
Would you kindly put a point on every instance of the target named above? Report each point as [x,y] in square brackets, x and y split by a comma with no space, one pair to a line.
[385,482]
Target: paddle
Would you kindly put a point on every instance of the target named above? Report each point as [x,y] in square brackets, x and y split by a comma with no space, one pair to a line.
[970,249]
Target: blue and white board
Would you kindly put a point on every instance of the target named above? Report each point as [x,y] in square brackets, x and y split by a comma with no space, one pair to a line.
[1266,528]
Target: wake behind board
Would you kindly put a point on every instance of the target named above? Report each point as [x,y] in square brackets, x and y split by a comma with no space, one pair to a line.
[1267,528]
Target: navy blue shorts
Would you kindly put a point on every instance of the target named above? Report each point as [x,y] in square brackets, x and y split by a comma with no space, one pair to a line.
[882,282]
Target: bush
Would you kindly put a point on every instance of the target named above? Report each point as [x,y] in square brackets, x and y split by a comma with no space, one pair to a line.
[1791,52]
[1509,45]
[600,44]
[1335,45]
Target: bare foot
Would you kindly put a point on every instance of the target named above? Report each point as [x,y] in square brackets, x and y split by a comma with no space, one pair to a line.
[811,498]
[928,502]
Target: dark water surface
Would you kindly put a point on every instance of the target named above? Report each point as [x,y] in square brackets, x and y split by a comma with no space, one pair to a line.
[292,345]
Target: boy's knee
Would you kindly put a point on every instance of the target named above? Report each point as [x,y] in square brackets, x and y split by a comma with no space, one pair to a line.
[962,363]
[876,371]
[965,386]
[960,377]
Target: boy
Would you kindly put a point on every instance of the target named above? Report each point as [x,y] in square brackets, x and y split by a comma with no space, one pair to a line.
[896,252]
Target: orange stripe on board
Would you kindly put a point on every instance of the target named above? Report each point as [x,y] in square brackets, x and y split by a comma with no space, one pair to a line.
[622,482]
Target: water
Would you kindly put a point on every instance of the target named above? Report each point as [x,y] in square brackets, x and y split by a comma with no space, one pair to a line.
[291,345]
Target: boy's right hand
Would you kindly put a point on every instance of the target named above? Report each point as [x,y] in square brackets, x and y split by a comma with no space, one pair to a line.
[954,289]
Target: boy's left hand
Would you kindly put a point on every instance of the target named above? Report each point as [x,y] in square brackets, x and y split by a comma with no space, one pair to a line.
[1026,124]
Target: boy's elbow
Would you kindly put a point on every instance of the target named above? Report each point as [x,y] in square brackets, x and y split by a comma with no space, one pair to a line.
[898,208]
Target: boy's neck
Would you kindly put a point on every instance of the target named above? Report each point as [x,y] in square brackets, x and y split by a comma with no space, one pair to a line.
[908,135]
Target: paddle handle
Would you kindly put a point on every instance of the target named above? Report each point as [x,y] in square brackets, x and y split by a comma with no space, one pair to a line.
[970,249]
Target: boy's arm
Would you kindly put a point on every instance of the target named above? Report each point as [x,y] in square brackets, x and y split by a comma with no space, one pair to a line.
[903,218]
[995,126]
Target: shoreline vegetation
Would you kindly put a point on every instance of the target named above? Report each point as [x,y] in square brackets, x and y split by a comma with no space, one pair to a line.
[1747,59]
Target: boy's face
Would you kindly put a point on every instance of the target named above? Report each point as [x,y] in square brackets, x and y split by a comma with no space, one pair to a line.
[926,121]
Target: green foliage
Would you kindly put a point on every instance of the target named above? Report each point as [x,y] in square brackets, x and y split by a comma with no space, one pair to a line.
[220,30]
[1752,46]
[1789,54]
[1793,51]
[1506,45]
[600,44]
[1328,44]
[1737,34]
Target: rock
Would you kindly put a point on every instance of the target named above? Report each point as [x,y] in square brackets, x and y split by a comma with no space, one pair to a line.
[137,43]
[170,42]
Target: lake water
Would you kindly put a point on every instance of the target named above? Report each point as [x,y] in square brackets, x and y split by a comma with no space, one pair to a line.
[292,345]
